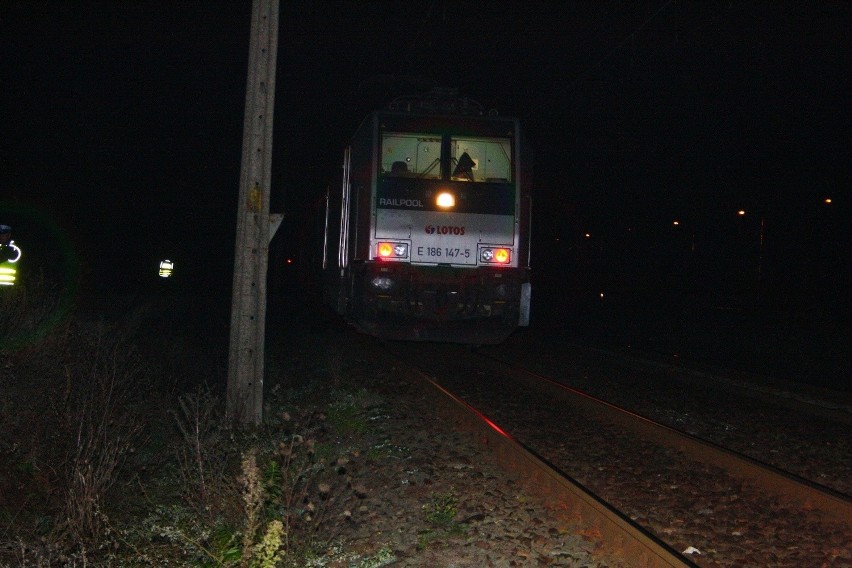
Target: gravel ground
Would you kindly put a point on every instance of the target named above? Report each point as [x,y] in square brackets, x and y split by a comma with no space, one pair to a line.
[687,504]
[502,526]
[795,427]
[431,497]
[763,420]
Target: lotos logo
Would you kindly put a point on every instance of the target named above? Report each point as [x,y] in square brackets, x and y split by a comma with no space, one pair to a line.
[444,230]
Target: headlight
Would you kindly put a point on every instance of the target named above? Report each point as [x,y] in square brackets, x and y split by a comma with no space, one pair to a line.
[391,250]
[445,200]
[495,255]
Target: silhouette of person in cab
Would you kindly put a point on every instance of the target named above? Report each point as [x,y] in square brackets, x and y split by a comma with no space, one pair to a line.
[464,168]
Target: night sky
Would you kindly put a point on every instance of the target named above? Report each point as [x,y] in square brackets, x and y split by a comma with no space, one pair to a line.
[121,121]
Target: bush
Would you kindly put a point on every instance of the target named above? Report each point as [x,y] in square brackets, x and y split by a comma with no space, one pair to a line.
[103,463]
[71,422]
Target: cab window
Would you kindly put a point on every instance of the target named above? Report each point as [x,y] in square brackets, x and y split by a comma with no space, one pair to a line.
[481,159]
[410,155]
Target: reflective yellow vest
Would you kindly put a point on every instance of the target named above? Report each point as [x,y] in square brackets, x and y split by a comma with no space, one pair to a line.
[8,272]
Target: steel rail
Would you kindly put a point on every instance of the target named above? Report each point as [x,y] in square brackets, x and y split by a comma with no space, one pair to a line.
[621,537]
[802,492]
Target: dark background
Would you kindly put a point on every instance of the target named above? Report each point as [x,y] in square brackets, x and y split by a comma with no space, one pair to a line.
[121,128]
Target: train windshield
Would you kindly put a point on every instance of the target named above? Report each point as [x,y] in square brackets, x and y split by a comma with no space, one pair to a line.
[481,159]
[472,159]
[411,155]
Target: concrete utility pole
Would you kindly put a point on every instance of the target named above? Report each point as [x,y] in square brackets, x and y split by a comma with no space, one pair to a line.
[255,226]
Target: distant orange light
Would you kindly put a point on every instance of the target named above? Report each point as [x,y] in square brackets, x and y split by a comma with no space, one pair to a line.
[676,223]
[827,200]
[741,212]
[385,250]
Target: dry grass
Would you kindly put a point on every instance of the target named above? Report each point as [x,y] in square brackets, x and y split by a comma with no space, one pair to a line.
[98,417]
[68,414]
[106,463]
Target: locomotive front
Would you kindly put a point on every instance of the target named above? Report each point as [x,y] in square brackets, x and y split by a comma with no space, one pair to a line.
[434,231]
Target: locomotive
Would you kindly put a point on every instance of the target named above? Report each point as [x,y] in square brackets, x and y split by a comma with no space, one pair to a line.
[428,238]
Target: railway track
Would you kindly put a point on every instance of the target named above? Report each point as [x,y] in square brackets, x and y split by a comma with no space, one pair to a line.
[651,491]
[797,428]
